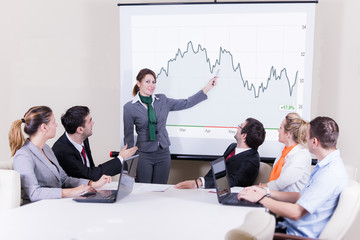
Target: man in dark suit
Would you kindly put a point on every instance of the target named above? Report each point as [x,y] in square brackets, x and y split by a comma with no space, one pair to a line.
[242,159]
[73,152]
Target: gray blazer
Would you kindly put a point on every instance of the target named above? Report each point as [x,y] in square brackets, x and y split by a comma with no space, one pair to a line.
[40,179]
[136,114]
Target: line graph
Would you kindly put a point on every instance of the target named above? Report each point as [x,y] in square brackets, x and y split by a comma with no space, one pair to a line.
[231,92]
[261,64]
[264,53]
[236,68]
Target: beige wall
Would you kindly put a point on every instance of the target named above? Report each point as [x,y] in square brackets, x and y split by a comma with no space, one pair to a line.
[64,53]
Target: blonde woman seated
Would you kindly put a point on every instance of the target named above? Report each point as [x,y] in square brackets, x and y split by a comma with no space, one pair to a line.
[41,175]
[291,171]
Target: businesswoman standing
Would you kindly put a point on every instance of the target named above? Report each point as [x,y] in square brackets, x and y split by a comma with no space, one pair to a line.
[41,175]
[148,112]
[291,171]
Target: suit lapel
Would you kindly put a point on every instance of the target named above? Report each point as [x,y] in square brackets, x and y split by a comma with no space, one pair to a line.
[230,148]
[66,140]
[88,152]
[139,107]
[157,107]
[43,159]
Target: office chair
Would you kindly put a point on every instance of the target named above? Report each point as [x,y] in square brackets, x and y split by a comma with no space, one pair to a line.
[264,173]
[258,225]
[352,172]
[343,217]
[6,164]
[10,189]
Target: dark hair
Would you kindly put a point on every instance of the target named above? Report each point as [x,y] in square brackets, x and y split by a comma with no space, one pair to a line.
[142,73]
[74,117]
[33,118]
[255,133]
[325,130]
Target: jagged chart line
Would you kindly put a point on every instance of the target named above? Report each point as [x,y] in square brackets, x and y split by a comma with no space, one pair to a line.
[222,51]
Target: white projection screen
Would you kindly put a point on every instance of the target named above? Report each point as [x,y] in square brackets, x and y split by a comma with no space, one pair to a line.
[264,52]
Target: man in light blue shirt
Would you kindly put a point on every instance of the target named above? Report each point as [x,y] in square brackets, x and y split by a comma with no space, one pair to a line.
[306,213]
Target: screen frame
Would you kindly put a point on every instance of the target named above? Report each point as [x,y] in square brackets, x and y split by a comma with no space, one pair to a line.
[202,157]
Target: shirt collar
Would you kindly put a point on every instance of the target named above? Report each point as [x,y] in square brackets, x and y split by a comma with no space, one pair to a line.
[76,145]
[240,150]
[137,99]
[329,158]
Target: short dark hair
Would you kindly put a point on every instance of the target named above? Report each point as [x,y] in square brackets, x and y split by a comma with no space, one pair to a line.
[74,117]
[255,133]
[326,130]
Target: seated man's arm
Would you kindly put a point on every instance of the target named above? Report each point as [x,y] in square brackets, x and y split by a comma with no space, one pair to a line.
[189,184]
[127,152]
[285,209]
[280,203]
[290,197]
[75,168]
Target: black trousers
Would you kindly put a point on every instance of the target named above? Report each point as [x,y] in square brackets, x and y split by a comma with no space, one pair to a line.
[279,228]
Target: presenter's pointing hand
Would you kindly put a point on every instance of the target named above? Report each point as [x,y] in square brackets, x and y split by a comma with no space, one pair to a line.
[210,85]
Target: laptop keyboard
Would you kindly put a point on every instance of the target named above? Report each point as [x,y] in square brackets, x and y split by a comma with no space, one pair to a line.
[232,198]
[103,194]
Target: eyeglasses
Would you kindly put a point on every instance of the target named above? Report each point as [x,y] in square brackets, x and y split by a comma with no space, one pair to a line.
[240,126]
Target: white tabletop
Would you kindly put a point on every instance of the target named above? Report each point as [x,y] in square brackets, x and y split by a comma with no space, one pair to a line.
[144,214]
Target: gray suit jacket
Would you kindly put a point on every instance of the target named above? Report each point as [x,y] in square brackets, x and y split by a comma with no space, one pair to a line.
[136,114]
[40,179]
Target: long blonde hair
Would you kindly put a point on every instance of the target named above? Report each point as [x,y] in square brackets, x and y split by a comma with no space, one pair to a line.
[297,127]
[33,118]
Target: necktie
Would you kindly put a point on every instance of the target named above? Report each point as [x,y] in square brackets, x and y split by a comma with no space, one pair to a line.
[230,155]
[275,172]
[151,116]
[83,155]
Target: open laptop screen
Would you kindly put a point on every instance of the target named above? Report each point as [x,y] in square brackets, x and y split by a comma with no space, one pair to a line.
[219,171]
[131,165]
[125,186]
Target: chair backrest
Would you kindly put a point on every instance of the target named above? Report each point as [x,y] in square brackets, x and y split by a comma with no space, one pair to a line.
[6,164]
[10,189]
[264,173]
[258,225]
[352,172]
[345,213]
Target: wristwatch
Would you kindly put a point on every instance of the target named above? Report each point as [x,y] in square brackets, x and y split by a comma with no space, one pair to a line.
[267,191]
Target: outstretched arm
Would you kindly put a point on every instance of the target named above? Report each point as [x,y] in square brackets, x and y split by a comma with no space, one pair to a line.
[210,85]
[127,152]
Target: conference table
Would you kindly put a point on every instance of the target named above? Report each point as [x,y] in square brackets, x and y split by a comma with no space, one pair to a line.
[151,211]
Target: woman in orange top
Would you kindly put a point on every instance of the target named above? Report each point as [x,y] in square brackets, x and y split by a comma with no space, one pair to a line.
[291,170]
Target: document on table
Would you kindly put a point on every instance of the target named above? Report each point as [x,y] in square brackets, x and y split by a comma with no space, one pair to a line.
[153,188]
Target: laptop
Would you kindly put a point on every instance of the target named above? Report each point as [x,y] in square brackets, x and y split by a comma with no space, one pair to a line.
[130,166]
[222,187]
[125,186]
